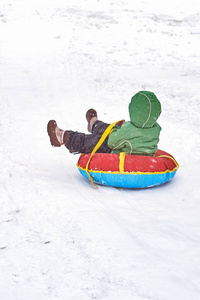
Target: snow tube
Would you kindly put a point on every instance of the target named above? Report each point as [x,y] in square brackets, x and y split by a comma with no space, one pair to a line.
[128,170]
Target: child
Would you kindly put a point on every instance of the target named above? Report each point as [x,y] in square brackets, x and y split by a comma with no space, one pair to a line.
[139,136]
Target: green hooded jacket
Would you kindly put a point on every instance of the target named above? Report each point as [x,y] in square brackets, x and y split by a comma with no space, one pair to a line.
[140,135]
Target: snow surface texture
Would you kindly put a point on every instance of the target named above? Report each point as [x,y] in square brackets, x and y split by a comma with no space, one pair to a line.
[59,237]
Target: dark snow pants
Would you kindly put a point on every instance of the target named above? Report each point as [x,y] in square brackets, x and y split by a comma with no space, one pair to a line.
[85,143]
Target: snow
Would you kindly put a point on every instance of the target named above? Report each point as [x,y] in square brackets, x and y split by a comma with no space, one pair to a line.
[59,237]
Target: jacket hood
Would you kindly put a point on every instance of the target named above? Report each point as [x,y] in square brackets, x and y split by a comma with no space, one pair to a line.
[144,109]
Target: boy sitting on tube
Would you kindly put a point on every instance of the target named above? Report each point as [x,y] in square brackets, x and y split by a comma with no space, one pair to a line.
[138,136]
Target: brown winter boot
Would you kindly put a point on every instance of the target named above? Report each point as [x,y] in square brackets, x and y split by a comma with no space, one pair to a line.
[54,133]
[57,136]
[91,117]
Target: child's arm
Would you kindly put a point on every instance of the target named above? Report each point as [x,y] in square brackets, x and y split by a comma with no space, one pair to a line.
[118,136]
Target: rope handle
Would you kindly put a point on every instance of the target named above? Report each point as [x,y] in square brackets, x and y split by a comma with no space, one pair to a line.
[100,142]
[168,156]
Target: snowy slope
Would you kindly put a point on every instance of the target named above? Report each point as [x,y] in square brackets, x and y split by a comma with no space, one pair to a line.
[59,237]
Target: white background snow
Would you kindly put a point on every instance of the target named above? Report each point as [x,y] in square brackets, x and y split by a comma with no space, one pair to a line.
[59,237]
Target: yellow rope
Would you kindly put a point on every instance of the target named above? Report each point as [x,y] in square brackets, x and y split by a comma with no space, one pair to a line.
[100,142]
[121,161]
[167,156]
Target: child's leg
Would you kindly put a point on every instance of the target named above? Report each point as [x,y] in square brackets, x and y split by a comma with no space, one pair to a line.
[99,127]
[77,142]
[84,143]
